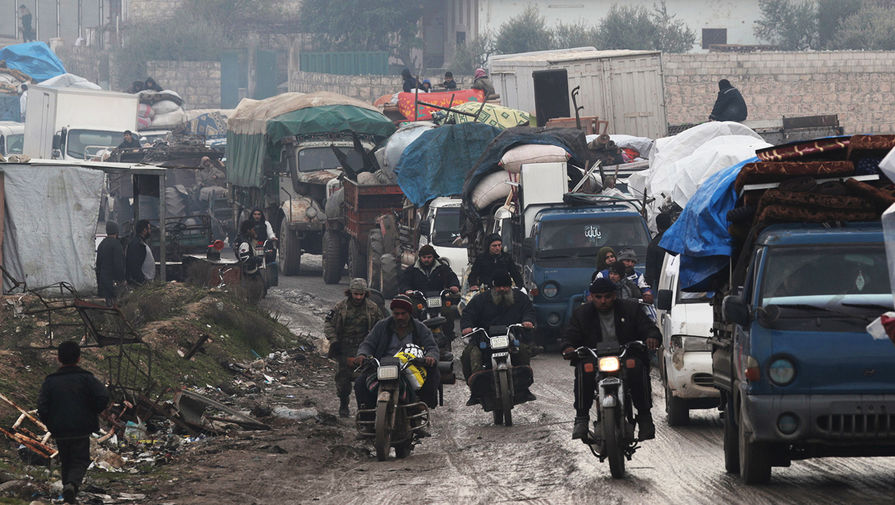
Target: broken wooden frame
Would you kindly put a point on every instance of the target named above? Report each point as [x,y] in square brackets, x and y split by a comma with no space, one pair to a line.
[21,434]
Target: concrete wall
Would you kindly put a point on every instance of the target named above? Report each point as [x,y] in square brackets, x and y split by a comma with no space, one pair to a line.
[859,86]
[363,87]
[197,82]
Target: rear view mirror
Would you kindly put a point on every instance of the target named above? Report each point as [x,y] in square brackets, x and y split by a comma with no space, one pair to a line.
[735,310]
[425,227]
[663,299]
[57,141]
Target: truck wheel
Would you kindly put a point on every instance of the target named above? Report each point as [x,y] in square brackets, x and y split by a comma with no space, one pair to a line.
[676,409]
[755,464]
[357,264]
[290,251]
[374,251]
[332,258]
[731,442]
[388,275]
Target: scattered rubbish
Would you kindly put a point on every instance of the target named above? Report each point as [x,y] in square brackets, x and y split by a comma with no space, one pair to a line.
[26,437]
[198,345]
[192,407]
[294,414]
[274,449]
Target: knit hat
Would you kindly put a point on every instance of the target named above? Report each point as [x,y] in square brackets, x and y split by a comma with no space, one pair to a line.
[111,228]
[602,285]
[501,279]
[479,72]
[627,254]
[357,285]
[401,302]
[619,268]
[427,250]
[490,239]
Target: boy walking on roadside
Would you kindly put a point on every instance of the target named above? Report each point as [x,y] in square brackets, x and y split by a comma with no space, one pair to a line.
[70,399]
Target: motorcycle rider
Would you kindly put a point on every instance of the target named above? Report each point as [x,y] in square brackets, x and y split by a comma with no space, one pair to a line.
[494,260]
[346,326]
[503,305]
[249,262]
[608,319]
[386,339]
[431,273]
[263,229]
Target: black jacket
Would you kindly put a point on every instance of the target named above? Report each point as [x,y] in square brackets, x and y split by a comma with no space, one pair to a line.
[134,257]
[654,257]
[486,266]
[69,402]
[410,83]
[482,312]
[631,323]
[729,106]
[440,277]
[377,342]
[109,266]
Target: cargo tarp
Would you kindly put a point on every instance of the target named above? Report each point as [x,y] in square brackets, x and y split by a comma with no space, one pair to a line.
[33,58]
[257,126]
[51,216]
[490,114]
[406,102]
[436,163]
[700,234]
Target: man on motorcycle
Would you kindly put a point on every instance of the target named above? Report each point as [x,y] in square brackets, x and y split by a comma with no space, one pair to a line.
[503,305]
[494,260]
[430,273]
[386,339]
[346,326]
[609,320]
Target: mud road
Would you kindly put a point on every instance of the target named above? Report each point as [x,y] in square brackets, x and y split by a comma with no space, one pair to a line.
[468,460]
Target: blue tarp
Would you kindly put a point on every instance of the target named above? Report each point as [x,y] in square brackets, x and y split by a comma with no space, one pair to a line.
[700,234]
[33,58]
[436,163]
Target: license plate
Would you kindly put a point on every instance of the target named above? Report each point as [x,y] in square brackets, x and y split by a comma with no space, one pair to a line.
[500,342]
[433,302]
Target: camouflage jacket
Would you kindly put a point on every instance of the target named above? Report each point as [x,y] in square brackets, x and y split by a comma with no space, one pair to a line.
[346,327]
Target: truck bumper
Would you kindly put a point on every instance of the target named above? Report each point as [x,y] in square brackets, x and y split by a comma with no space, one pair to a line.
[846,420]
[689,374]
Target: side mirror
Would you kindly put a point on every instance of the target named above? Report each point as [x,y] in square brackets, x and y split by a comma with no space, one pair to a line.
[736,310]
[57,141]
[663,299]
[425,227]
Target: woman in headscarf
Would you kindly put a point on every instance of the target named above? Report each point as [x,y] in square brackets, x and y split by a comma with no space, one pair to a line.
[483,83]
[605,257]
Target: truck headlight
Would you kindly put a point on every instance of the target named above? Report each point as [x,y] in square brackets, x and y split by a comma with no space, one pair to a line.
[781,371]
[553,319]
[550,289]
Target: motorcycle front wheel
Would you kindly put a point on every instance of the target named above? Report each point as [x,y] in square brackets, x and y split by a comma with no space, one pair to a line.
[612,438]
[506,398]
[382,442]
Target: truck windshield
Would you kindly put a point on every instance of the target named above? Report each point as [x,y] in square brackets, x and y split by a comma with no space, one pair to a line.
[844,275]
[584,237]
[84,143]
[14,143]
[313,159]
[447,226]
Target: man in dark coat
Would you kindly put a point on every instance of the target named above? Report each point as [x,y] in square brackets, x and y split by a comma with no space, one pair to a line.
[655,254]
[501,306]
[69,401]
[729,106]
[110,265]
[139,262]
[387,338]
[608,320]
[410,82]
[130,141]
[494,260]
[429,273]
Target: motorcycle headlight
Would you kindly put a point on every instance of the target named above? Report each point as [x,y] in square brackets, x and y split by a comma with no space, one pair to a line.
[550,290]
[388,372]
[781,371]
[609,364]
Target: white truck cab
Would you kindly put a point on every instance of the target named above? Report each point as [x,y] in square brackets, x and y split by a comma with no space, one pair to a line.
[685,357]
[12,137]
[441,229]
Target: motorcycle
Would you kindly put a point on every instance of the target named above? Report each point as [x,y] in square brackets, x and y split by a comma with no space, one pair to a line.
[267,251]
[508,383]
[613,435]
[427,309]
[399,416]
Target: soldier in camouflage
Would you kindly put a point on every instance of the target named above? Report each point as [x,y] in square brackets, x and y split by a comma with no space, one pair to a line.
[346,326]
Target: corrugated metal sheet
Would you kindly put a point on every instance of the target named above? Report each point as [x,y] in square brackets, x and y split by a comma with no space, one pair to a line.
[623,87]
[345,63]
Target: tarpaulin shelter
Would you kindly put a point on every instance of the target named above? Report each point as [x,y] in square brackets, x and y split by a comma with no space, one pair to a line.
[258,126]
[436,163]
[33,58]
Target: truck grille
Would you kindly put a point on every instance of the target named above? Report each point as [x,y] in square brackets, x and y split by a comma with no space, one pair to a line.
[857,425]
[703,379]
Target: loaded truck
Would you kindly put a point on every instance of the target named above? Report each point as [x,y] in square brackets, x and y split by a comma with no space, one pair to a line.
[286,154]
[74,123]
[12,137]
[799,375]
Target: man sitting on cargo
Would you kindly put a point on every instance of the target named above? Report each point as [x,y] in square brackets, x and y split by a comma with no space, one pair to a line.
[494,260]
[608,320]
[130,141]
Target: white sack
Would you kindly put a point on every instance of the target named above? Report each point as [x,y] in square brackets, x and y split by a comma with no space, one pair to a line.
[169,120]
[165,107]
[512,160]
[491,188]
[399,141]
[51,216]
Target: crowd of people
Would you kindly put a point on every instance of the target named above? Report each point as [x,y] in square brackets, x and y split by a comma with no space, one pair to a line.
[480,82]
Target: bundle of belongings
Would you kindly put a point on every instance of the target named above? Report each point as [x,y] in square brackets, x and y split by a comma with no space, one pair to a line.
[160,110]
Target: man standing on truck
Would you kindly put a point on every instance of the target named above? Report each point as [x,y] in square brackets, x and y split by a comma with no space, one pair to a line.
[494,260]
[130,141]
[609,320]
[346,326]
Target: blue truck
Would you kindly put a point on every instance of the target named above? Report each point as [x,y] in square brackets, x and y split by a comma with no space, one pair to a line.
[559,256]
[799,374]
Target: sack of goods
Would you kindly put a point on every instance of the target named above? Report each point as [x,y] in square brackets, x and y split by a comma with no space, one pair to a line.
[513,159]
